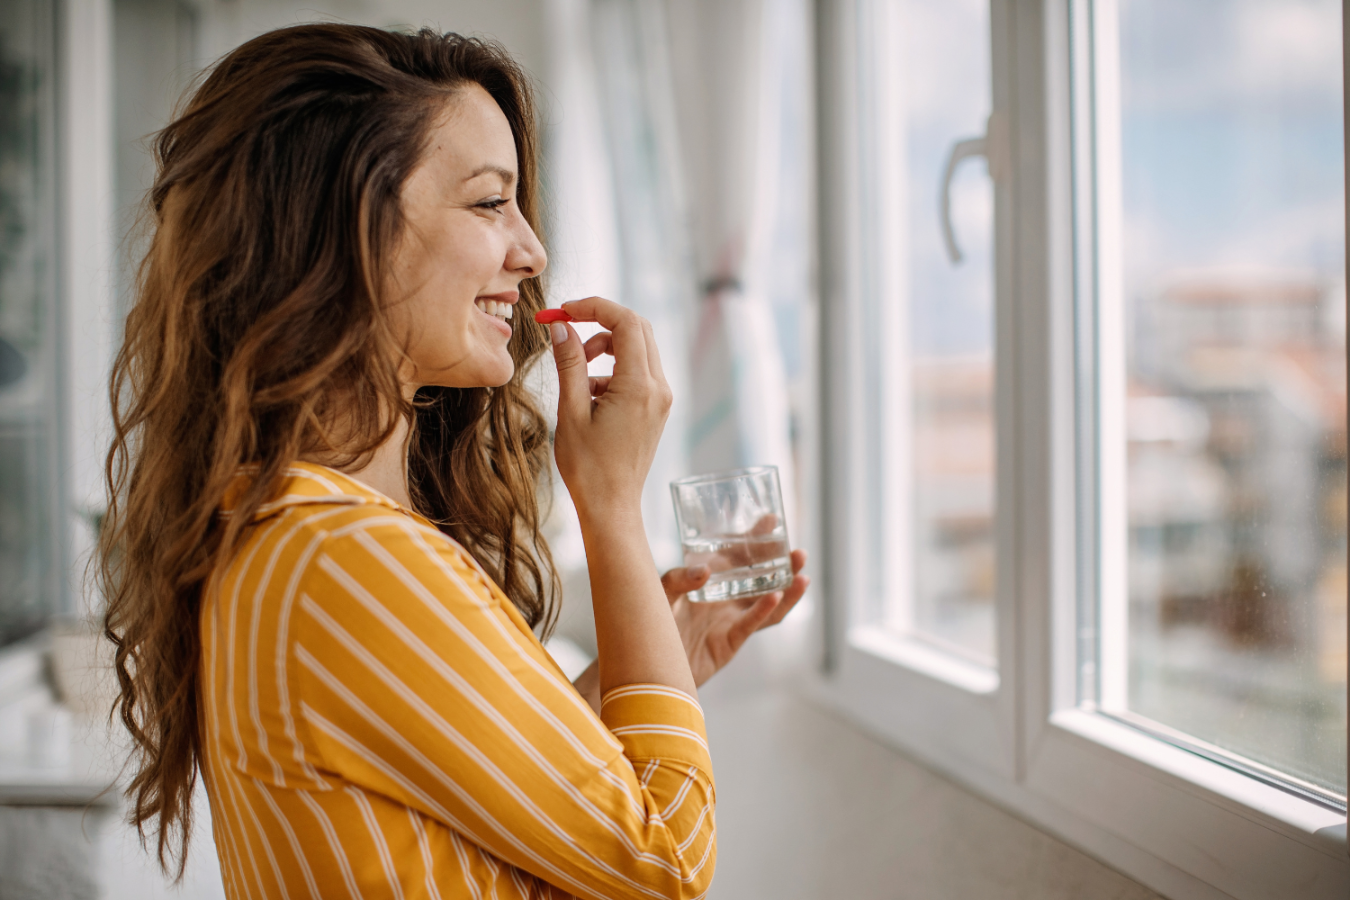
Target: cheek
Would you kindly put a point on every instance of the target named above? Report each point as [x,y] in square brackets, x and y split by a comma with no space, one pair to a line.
[441,275]
[470,253]
[441,285]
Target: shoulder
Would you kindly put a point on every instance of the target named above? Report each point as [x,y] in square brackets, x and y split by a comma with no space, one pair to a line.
[381,586]
[386,554]
[296,534]
[335,539]
[362,543]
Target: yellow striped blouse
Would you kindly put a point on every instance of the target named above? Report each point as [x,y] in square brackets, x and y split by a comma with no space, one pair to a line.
[379,721]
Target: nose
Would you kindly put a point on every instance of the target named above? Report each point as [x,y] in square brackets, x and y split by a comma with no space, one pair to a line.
[527,257]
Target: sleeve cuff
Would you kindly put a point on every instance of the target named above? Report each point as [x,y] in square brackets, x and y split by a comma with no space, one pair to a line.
[654,721]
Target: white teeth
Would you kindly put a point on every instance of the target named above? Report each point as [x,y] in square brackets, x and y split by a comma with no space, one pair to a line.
[495,308]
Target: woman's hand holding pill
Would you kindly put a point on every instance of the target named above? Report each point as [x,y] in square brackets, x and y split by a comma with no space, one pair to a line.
[608,428]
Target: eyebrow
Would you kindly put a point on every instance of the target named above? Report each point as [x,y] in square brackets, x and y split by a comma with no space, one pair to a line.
[506,174]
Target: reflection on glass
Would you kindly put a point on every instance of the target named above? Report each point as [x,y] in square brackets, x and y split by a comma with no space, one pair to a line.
[1234,283]
[27,412]
[942,95]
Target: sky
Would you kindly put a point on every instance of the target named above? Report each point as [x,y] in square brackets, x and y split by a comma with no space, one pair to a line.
[1232,147]
[1232,136]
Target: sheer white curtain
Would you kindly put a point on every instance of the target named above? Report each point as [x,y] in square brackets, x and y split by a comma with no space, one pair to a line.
[621,228]
[743,92]
[678,165]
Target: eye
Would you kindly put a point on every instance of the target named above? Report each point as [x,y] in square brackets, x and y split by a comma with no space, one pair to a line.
[493,204]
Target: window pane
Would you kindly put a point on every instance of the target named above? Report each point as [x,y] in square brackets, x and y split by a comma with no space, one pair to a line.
[934,69]
[28,568]
[1233,267]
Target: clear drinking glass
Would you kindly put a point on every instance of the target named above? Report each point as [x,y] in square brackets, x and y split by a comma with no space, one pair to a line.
[733,523]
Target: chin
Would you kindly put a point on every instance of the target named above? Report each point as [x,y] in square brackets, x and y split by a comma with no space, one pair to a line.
[498,375]
[483,370]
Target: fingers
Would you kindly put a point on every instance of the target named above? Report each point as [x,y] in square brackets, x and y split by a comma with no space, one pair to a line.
[794,592]
[789,601]
[654,366]
[653,353]
[735,556]
[683,580]
[627,342]
[750,552]
[597,344]
[765,525]
[599,384]
[597,309]
[755,618]
[574,391]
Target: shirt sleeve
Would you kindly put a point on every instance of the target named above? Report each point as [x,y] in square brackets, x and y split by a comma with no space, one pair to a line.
[418,680]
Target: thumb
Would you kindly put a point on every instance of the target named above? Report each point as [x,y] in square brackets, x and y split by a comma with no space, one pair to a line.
[574,388]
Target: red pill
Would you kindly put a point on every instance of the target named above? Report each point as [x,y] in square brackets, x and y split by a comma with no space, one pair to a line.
[545,316]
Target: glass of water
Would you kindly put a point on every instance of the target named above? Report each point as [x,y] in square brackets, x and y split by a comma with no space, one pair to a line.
[733,523]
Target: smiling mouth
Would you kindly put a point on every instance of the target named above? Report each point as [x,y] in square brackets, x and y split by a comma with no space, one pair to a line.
[495,308]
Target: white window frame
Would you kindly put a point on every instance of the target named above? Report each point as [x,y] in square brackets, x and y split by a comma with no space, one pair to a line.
[1177,822]
[937,705]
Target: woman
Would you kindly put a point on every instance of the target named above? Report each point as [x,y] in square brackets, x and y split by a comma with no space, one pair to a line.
[322,558]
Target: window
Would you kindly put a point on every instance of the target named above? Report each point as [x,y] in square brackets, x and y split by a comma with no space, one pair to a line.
[30,554]
[916,275]
[930,360]
[1087,485]
[1220,371]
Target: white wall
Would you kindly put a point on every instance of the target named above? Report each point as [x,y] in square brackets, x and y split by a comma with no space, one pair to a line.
[516,23]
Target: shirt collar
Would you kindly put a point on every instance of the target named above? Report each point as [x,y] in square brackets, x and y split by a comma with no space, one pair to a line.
[305,483]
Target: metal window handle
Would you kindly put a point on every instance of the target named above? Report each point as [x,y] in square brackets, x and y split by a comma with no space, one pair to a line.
[993,146]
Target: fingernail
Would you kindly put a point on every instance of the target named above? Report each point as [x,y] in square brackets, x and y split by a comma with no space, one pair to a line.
[699,571]
[559,333]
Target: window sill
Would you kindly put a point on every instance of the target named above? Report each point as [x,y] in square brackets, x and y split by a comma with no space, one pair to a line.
[928,660]
[1304,821]
[1180,824]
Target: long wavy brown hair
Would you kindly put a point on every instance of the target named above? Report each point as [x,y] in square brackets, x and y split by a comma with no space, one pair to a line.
[258,336]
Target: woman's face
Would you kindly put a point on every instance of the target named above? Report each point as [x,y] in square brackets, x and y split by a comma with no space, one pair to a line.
[464,251]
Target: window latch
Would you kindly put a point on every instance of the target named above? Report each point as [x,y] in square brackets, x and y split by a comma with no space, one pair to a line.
[993,146]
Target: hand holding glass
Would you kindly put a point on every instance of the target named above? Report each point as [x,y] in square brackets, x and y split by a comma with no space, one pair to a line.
[733,523]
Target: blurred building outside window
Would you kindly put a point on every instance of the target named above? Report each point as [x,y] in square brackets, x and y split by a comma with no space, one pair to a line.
[1230,242]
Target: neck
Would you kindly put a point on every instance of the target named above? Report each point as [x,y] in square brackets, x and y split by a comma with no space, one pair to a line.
[387,469]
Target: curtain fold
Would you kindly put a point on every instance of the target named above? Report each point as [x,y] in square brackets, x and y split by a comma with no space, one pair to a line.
[744,93]
[678,155]
[632,51]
